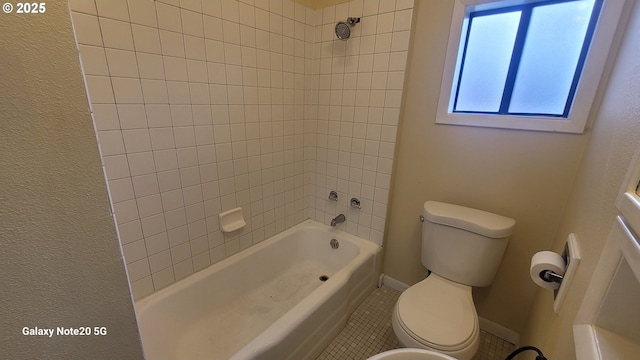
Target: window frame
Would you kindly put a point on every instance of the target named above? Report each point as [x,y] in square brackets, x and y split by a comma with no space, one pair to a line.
[585,92]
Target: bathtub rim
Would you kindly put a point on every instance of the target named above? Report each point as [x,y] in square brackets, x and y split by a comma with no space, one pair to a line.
[368,252]
[143,303]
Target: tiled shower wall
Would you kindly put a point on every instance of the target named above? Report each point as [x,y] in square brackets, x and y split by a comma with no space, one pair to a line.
[203,106]
[356,98]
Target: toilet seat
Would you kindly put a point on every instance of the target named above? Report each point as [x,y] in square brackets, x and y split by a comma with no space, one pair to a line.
[439,314]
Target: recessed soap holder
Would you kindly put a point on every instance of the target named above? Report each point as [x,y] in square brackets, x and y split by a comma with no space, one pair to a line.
[571,255]
[231,220]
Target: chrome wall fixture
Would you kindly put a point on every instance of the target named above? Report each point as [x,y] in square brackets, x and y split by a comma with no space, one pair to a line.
[355,203]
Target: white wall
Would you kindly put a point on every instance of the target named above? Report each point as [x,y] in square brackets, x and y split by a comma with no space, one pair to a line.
[202,106]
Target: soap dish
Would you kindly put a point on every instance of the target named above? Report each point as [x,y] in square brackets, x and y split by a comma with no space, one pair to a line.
[231,220]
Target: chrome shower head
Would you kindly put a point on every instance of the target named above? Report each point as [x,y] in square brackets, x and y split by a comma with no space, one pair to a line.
[343,28]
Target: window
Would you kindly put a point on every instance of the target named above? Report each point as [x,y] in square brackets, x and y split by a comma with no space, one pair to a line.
[532,65]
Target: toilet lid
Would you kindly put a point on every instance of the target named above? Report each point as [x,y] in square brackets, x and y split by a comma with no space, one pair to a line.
[438,313]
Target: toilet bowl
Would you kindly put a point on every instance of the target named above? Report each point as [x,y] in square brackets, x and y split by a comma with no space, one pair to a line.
[410,354]
[461,247]
[439,315]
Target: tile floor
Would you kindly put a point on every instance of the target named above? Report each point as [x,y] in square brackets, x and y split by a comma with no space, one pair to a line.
[369,332]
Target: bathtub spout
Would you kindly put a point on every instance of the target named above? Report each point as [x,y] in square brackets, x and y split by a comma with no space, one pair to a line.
[338,219]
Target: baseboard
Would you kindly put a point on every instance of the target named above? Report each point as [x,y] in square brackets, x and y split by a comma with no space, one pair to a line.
[393,283]
[486,325]
[499,331]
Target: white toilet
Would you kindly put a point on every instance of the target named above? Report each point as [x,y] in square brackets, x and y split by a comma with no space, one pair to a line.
[462,247]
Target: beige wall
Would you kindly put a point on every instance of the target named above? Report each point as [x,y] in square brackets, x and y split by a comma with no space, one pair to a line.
[521,174]
[59,255]
[591,210]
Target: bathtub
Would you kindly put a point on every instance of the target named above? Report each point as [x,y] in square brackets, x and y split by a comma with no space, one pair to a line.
[266,302]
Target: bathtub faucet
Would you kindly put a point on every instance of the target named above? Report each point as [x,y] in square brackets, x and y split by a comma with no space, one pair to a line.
[338,219]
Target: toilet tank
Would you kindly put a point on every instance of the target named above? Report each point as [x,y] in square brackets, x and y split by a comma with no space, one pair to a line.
[462,244]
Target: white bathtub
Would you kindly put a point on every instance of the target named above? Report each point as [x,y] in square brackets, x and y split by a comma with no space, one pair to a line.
[266,302]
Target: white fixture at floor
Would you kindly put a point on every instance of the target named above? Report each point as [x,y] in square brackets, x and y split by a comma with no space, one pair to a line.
[410,354]
[462,247]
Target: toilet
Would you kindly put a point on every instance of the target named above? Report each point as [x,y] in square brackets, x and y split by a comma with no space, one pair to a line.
[461,247]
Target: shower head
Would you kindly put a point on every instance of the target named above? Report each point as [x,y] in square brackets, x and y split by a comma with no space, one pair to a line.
[343,28]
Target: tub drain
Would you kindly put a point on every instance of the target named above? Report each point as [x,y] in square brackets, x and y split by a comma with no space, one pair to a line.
[323,278]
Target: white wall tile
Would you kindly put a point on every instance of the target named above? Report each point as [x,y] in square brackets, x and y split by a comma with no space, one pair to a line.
[111,142]
[116,166]
[130,231]
[213,28]
[114,9]
[187,156]
[194,48]
[143,12]
[178,236]
[141,163]
[154,91]
[121,190]
[169,17]
[178,92]
[127,90]
[184,268]
[212,8]
[227,104]
[158,115]
[400,41]
[404,4]
[145,185]
[105,117]
[87,29]
[100,89]
[132,116]
[163,278]
[94,61]
[126,211]
[149,205]
[230,10]
[192,23]
[83,6]
[193,5]
[142,288]
[138,269]
[160,260]
[136,140]
[134,251]
[146,39]
[116,34]
[153,224]
[172,43]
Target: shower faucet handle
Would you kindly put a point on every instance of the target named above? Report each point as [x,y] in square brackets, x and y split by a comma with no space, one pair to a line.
[333,195]
[355,203]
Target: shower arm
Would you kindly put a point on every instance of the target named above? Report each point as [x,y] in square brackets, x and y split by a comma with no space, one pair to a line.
[353,21]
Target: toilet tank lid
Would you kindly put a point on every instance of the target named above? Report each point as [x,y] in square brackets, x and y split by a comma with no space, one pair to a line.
[477,221]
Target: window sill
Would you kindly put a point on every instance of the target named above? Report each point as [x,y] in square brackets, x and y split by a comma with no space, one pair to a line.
[550,124]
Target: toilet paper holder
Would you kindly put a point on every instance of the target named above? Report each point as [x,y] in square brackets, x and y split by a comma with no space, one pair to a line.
[571,255]
[550,276]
